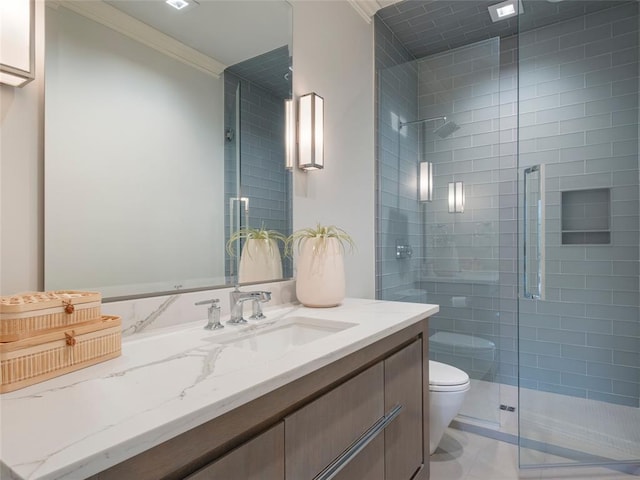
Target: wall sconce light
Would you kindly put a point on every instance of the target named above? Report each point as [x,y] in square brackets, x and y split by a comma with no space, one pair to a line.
[16,42]
[289,134]
[311,132]
[425,193]
[456,197]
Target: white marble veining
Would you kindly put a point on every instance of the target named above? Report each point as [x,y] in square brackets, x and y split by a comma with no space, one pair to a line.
[168,381]
[146,314]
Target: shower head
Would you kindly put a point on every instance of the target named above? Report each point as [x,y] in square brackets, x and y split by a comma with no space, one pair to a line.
[443,131]
[447,128]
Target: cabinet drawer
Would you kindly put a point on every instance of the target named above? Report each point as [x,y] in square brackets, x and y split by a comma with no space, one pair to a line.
[319,432]
[403,377]
[261,458]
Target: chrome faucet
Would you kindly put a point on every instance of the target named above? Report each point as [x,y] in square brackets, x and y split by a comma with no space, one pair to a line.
[213,314]
[237,299]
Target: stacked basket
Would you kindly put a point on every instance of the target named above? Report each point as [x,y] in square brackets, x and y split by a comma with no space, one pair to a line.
[46,334]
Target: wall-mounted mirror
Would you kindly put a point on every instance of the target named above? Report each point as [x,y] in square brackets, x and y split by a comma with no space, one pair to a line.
[164,135]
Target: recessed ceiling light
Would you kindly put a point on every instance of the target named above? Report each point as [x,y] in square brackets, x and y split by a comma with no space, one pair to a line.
[183,5]
[504,10]
[178,4]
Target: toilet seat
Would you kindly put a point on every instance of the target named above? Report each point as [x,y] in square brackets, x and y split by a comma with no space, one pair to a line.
[446,378]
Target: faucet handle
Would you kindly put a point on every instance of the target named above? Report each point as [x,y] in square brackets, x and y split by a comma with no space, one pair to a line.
[213,301]
[260,297]
[213,314]
[257,310]
[265,296]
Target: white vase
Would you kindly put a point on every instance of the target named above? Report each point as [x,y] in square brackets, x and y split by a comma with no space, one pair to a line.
[320,280]
[259,261]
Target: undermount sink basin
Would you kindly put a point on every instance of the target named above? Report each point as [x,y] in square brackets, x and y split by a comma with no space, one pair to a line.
[286,333]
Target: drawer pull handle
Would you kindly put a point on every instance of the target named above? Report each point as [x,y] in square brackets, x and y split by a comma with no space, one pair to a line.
[367,437]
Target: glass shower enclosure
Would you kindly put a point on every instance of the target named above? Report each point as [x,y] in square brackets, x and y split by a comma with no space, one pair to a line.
[578,329]
[518,214]
[439,206]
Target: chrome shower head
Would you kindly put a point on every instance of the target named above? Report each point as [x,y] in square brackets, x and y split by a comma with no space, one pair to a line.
[443,131]
[446,129]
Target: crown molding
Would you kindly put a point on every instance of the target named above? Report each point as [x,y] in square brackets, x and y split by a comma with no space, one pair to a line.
[119,21]
[366,8]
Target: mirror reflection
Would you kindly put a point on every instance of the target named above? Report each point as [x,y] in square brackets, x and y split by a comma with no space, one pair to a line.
[159,147]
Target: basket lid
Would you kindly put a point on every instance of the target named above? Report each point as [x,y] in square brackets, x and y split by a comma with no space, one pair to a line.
[28,301]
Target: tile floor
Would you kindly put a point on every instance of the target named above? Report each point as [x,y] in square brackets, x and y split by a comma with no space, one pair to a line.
[467,456]
[593,427]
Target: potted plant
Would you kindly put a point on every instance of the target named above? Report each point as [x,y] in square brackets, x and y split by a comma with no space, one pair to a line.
[320,280]
[260,258]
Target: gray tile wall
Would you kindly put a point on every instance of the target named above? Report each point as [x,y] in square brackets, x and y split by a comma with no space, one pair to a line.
[399,217]
[461,268]
[579,116]
[578,113]
[263,178]
[231,166]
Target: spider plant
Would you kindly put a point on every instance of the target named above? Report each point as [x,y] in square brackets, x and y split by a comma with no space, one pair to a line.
[249,233]
[320,232]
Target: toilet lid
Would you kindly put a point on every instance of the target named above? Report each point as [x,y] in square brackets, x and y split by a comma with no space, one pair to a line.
[443,374]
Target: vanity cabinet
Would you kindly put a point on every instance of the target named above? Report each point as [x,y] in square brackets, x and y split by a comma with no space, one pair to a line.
[383,402]
[403,385]
[261,458]
[319,432]
[364,412]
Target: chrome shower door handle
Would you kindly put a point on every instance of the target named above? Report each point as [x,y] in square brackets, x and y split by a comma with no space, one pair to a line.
[533,279]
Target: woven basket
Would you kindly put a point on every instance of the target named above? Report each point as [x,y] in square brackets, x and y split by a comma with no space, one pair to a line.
[35,359]
[33,313]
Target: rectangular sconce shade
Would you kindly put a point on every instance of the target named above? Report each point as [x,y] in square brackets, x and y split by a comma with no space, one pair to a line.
[16,42]
[290,133]
[311,132]
[456,197]
[426,182]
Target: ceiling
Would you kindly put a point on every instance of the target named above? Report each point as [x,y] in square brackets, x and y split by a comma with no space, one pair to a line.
[227,31]
[426,27]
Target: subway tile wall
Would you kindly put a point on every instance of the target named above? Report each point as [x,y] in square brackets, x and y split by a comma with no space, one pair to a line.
[577,86]
[461,268]
[262,176]
[399,221]
[579,116]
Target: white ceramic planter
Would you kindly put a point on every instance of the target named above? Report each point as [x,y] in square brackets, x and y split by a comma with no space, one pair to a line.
[259,261]
[320,280]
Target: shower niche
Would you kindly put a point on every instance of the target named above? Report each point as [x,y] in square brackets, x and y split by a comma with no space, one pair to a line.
[586,217]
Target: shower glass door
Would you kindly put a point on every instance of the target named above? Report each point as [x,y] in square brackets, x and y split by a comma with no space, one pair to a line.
[578,242]
[443,247]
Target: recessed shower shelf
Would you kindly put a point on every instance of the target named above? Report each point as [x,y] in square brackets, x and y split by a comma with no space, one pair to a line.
[586,217]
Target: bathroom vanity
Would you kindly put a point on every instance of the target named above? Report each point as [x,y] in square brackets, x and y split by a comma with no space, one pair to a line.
[303,394]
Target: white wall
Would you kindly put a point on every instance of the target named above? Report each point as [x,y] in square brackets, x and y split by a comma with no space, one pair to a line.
[21,174]
[134,172]
[333,56]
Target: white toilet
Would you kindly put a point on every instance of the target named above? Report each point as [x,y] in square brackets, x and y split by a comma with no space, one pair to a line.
[447,388]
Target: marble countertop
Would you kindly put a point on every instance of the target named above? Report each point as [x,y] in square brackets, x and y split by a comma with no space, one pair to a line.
[165,383]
